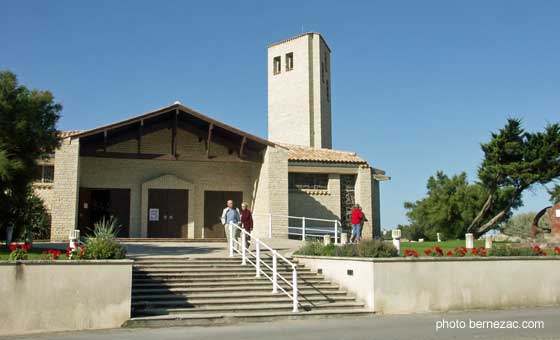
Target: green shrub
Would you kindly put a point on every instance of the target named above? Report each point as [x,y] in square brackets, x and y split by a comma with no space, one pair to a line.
[104,248]
[368,248]
[514,251]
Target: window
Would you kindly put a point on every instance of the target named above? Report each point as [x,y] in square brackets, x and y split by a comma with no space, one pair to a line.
[322,71]
[277,64]
[289,61]
[328,92]
[308,181]
[45,173]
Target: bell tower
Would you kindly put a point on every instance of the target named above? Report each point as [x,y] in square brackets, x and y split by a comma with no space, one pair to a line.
[299,91]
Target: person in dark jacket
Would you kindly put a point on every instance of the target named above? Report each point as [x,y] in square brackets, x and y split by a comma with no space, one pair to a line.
[246,221]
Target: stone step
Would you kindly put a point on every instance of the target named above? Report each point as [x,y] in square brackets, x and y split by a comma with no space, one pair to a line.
[207,319]
[227,289]
[215,270]
[230,284]
[207,265]
[283,306]
[221,301]
[249,280]
[186,259]
[305,292]
[224,276]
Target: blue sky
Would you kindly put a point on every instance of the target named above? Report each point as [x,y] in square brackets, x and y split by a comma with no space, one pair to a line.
[416,85]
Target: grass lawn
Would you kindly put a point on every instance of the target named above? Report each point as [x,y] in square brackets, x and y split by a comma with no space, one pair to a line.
[445,245]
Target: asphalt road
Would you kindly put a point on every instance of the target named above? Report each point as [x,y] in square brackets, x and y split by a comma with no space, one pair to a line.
[417,327]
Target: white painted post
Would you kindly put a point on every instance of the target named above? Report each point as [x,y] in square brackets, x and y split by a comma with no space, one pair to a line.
[438,237]
[469,241]
[303,228]
[396,235]
[488,243]
[326,240]
[230,240]
[269,225]
[274,273]
[295,290]
[243,249]
[258,264]
[343,238]
[335,232]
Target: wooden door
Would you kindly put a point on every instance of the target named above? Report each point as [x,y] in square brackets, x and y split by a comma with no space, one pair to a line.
[157,201]
[214,204]
[177,203]
[120,209]
[167,213]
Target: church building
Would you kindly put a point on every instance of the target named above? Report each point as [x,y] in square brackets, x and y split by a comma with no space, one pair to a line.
[168,173]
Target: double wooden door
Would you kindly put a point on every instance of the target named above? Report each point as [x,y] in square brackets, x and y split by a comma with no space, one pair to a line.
[167,213]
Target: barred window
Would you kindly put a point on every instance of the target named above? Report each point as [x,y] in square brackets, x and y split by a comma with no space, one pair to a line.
[45,173]
[308,181]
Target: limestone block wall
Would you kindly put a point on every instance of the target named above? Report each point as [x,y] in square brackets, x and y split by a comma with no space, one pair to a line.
[271,193]
[45,191]
[364,197]
[317,203]
[66,188]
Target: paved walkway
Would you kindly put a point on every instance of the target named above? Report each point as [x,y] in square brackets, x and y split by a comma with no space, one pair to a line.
[199,249]
[417,327]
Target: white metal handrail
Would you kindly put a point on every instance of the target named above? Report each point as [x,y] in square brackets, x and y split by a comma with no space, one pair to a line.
[258,261]
[337,226]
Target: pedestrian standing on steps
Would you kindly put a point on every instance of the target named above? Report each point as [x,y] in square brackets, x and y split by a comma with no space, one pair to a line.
[246,222]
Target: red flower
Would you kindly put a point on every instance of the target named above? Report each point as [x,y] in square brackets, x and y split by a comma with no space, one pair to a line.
[557,250]
[474,251]
[69,249]
[427,252]
[67,254]
[13,247]
[439,250]
[450,253]
[409,252]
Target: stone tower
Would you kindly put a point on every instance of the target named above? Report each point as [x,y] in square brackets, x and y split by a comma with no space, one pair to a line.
[299,98]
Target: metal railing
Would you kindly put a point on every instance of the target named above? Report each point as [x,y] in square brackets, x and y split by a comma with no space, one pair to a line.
[307,227]
[258,262]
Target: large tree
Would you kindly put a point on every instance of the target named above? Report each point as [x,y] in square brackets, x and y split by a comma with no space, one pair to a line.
[514,161]
[448,208]
[27,134]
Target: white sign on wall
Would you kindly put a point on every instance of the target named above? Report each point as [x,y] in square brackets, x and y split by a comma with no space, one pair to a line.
[154,215]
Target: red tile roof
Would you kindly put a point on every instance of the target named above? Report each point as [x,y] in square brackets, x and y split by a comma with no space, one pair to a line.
[66,134]
[307,154]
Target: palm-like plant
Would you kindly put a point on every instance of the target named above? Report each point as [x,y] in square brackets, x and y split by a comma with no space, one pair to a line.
[106,228]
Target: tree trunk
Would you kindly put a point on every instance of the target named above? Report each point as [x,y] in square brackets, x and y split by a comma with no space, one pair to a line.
[481,213]
[499,217]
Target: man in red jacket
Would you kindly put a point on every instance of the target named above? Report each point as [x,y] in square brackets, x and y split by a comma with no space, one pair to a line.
[358,218]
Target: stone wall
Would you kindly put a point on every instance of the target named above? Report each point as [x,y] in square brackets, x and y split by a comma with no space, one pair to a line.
[364,197]
[66,188]
[271,193]
[49,296]
[407,285]
[323,204]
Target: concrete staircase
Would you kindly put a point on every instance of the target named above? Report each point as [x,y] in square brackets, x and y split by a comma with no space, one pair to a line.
[183,292]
